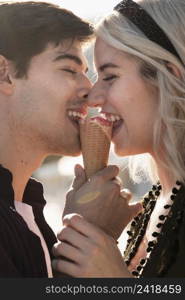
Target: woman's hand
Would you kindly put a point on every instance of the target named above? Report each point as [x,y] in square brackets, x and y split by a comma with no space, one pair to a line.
[89,251]
[101,201]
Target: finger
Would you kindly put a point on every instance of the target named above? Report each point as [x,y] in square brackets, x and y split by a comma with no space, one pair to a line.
[135,209]
[73,237]
[117,180]
[64,266]
[126,194]
[107,173]
[81,225]
[80,177]
[67,251]
[112,188]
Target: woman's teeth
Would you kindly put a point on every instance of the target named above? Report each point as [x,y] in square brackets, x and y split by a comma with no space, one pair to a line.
[113,118]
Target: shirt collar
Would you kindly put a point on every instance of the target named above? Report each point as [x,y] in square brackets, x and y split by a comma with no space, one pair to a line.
[33,193]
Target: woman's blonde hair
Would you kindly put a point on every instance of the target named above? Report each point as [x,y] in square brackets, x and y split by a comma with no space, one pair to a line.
[120,33]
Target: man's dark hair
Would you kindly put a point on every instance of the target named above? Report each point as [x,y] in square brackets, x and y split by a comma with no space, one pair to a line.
[26,28]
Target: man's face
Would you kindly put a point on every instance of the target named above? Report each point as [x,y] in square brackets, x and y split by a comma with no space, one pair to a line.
[56,84]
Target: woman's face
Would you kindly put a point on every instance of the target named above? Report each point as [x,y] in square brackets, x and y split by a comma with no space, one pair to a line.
[121,91]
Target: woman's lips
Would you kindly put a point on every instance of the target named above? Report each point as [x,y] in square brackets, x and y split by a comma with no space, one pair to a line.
[102,121]
[116,127]
[76,116]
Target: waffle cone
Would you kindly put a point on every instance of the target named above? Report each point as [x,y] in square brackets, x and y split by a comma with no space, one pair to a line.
[95,143]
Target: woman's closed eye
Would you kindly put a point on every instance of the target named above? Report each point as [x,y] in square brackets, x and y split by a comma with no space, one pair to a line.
[110,77]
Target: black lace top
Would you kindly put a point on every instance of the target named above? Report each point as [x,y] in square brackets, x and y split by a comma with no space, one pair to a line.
[167,258]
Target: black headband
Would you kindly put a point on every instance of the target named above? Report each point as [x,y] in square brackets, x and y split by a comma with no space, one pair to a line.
[138,16]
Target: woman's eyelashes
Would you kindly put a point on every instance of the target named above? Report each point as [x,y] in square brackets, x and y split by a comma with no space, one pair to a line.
[109,77]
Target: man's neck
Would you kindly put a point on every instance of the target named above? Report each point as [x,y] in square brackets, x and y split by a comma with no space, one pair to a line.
[21,160]
[22,172]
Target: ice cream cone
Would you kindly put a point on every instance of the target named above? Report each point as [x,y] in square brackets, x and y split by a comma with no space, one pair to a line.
[95,136]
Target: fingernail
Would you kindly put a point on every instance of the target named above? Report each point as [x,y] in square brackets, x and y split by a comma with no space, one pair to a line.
[77,170]
[54,264]
[125,193]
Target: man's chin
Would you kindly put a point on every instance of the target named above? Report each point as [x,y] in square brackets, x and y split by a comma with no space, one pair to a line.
[66,152]
[68,148]
[73,151]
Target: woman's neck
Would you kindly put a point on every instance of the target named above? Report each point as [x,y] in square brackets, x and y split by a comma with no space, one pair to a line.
[166,179]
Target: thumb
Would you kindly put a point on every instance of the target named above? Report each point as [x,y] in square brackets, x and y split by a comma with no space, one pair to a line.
[135,209]
[126,194]
[80,177]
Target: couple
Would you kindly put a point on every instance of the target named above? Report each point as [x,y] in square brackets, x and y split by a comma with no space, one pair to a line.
[139,57]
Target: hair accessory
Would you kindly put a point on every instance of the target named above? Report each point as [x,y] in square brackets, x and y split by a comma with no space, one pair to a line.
[138,16]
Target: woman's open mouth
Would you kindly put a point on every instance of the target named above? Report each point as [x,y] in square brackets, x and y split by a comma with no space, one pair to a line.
[76,116]
[115,119]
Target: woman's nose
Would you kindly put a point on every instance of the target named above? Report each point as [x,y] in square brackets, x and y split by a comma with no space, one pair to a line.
[96,97]
[85,88]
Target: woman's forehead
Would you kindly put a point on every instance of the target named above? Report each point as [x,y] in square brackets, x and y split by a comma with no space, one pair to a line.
[106,54]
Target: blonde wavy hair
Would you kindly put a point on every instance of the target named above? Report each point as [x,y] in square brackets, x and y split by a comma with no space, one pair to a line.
[120,33]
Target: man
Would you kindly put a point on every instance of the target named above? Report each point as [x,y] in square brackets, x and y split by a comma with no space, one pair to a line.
[42,78]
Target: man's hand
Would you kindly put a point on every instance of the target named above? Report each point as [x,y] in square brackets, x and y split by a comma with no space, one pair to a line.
[89,251]
[101,201]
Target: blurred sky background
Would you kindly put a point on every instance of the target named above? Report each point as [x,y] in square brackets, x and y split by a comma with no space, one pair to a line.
[86,8]
[56,174]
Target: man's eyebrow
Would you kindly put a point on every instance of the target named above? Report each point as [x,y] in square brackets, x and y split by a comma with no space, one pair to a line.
[72,57]
[108,65]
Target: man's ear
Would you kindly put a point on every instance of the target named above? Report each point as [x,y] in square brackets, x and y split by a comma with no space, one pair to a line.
[174,70]
[6,86]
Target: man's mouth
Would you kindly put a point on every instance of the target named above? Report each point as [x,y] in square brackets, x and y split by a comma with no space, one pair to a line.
[76,115]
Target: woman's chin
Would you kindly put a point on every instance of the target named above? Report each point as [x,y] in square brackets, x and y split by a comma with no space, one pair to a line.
[119,151]
[123,150]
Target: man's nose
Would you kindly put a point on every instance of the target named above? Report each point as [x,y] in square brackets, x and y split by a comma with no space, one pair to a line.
[96,97]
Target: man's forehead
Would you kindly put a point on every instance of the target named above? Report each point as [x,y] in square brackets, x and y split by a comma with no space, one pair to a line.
[66,47]
[59,53]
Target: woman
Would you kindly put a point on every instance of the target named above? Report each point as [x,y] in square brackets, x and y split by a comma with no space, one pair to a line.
[139,57]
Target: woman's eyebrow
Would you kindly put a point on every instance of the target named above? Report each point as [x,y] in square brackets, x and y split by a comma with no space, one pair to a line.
[107,65]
